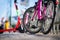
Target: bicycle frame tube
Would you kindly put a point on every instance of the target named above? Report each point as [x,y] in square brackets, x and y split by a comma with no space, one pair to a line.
[39,9]
[39,14]
[34,14]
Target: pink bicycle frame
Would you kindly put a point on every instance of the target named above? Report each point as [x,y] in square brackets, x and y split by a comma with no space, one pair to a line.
[39,13]
[39,10]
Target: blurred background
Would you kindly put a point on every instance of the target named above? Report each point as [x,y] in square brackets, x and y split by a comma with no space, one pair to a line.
[7,8]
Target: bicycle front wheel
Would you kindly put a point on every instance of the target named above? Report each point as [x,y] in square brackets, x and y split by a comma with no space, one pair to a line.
[31,26]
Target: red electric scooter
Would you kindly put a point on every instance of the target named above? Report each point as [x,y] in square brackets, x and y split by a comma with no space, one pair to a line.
[17,26]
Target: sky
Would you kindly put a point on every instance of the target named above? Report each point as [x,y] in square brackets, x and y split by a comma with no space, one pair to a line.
[5,8]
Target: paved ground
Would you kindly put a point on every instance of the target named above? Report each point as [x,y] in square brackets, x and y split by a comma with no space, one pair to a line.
[27,36]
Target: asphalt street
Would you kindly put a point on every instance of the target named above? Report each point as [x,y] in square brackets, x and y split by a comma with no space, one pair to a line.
[27,36]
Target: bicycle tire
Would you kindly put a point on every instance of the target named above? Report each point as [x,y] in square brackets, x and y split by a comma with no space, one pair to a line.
[32,32]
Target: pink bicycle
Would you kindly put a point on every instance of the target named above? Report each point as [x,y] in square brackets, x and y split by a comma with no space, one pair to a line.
[40,17]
